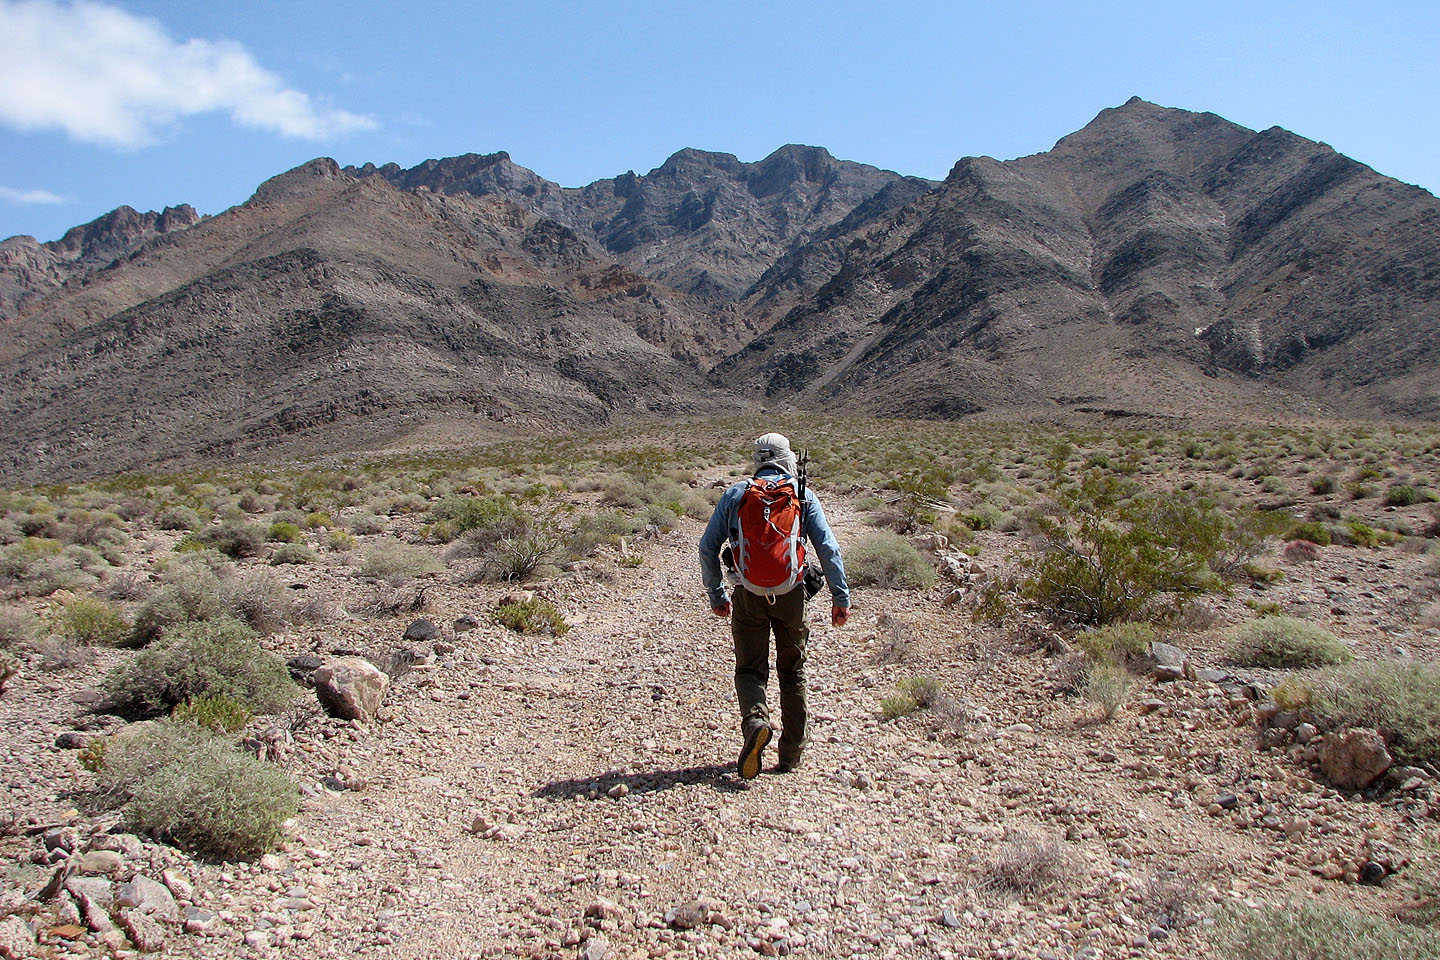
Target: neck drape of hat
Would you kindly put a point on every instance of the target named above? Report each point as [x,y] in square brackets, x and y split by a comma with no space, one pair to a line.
[773,450]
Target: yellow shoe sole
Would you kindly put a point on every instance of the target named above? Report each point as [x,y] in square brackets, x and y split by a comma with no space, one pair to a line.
[750,753]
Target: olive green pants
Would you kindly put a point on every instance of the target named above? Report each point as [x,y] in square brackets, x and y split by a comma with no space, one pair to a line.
[752,619]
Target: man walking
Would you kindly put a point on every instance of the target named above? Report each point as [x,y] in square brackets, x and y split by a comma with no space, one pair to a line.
[766,520]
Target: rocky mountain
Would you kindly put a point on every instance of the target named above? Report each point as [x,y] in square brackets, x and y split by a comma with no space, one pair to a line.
[704,223]
[335,307]
[1156,259]
[30,270]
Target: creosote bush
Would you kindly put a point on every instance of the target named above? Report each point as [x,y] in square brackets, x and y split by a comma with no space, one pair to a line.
[201,791]
[217,657]
[1282,641]
[531,615]
[886,559]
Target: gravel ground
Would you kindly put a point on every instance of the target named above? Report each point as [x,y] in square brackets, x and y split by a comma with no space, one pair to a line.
[577,796]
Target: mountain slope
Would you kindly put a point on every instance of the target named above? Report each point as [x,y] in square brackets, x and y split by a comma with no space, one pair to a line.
[1156,257]
[341,307]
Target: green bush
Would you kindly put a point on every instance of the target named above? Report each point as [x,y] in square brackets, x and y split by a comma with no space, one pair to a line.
[284,532]
[196,590]
[487,519]
[315,521]
[214,712]
[925,691]
[1121,643]
[199,790]
[886,559]
[1314,930]
[396,562]
[363,524]
[1401,495]
[217,657]
[178,518]
[1281,641]
[233,538]
[531,615]
[1401,701]
[898,705]
[288,553]
[1103,560]
[1322,484]
[1314,531]
[591,532]
[91,620]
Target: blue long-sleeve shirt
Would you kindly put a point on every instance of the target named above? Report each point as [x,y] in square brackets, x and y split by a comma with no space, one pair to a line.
[725,525]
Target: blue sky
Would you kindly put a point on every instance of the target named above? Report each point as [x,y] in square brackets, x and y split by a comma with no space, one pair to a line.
[153,102]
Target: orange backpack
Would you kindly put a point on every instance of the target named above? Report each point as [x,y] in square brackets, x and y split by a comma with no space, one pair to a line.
[770,556]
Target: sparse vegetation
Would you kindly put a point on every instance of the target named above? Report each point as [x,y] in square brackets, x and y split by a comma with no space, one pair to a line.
[531,615]
[199,790]
[1281,641]
[1315,930]
[396,562]
[1401,700]
[1108,686]
[1033,867]
[886,559]
[218,657]
[91,620]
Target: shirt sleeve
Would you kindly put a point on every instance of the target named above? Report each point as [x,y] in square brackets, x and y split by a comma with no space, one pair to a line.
[822,538]
[717,532]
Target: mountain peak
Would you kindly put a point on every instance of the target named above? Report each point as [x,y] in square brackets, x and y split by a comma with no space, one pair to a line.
[300,182]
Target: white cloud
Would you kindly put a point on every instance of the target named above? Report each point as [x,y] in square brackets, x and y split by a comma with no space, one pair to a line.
[12,195]
[105,76]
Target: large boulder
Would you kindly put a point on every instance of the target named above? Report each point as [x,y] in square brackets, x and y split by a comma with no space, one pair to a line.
[1354,759]
[350,688]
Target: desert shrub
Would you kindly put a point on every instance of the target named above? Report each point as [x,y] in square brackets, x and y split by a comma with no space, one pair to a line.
[288,553]
[1314,930]
[590,533]
[315,521]
[40,566]
[261,601]
[178,518]
[396,562]
[363,524]
[1355,533]
[284,532]
[1104,561]
[1033,867]
[898,705]
[662,515]
[1107,685]
[925,691]
[624,493]
[1121,643]
[485,519]
[91,620]
[868,502]
[19,628]
[217,657]
[886,559]
[214,712]
[531,615]
[1401,701]
[235,539]
[1281,641]
[1401,495]
[1322,484]
[1301,551]
[341,541]
[191,590]
[1293,693]
[199,790]
[1316,533]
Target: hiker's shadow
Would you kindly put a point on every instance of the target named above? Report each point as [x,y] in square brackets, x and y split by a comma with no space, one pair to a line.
[650,781]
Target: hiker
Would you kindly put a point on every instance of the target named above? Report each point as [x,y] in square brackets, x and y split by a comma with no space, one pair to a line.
[762,523]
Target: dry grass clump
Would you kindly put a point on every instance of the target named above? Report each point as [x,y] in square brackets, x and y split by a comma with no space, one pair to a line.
[1402,701]
[1033,867]
[396,562]
[200,791]
[1108,686]
[886,559]
[1283,641]
[1314,930]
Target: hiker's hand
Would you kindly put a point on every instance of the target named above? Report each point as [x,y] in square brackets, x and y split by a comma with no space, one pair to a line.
[838,616]
[723,610]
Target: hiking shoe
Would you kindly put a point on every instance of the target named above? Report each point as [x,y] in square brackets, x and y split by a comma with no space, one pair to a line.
[757,735]
[787,764]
